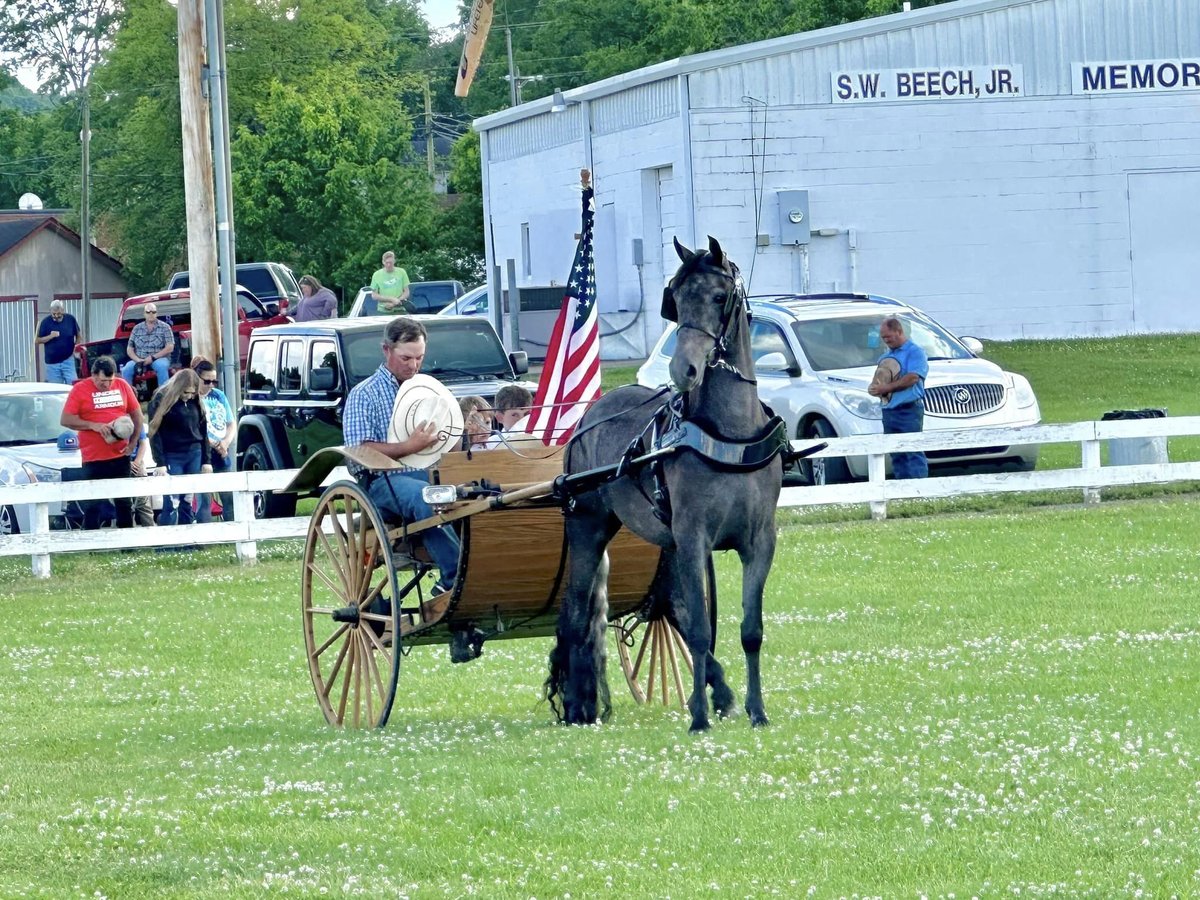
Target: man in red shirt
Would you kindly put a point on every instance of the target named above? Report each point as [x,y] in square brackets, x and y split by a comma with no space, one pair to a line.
[92,406]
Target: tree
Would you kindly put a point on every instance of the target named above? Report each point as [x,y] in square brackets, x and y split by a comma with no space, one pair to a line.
[62,39]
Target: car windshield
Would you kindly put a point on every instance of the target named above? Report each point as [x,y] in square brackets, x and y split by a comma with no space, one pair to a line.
[32,418]
[454,350]
[853,342]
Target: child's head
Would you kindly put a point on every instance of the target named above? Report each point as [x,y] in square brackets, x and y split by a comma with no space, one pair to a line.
[512,404]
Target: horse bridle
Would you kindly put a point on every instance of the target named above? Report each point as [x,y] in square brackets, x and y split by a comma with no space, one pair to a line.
[735,299]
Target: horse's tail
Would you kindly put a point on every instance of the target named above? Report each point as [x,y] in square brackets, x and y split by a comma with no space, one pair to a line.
[555,686]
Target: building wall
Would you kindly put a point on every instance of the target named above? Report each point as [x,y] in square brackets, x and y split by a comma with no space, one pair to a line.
[1010,219]
[1042,210]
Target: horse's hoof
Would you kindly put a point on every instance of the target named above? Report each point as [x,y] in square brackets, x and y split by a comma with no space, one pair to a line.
[759,719]
[700,725]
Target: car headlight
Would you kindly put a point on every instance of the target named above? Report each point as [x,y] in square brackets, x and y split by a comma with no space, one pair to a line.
[1023,391]
[13,471]
[860,403]
[43,473]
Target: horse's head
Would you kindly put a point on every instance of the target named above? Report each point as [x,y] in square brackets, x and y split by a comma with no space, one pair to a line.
[703,299]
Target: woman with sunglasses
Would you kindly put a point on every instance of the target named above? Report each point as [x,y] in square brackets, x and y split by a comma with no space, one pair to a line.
[222,428]
[179,439]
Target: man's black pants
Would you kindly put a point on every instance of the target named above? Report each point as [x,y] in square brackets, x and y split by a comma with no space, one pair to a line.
[97,471]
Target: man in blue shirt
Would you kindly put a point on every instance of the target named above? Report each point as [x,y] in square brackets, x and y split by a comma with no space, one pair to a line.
[59,333]
[397,492]
[904,397]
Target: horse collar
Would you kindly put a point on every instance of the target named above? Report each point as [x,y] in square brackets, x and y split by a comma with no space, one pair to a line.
[678,433]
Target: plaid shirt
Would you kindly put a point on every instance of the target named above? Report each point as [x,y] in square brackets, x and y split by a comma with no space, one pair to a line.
[369,411]
[147,341]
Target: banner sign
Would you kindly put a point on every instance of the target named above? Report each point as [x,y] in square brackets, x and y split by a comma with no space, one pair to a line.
[1138,76]
[963,83]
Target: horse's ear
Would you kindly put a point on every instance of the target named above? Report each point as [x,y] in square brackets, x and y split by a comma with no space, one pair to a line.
[685,255]
[715,251]
[669,310]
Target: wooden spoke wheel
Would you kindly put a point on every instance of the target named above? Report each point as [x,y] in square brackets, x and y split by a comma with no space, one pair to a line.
[654,656]
[351,621]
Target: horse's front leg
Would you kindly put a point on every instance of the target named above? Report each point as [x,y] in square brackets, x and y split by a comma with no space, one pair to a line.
[756,565]
[691,614]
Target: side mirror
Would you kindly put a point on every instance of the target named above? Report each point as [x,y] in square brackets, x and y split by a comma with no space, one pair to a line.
[520,361]
[322,379]
[973,344]
[774,363]
[272,308]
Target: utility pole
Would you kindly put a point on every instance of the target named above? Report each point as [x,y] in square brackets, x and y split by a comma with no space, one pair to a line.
[428,130]
[197,182]
[218,101]
[85,240]
[513,89]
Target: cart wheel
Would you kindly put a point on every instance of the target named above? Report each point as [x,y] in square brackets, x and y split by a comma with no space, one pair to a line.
[351,626]
[655,658]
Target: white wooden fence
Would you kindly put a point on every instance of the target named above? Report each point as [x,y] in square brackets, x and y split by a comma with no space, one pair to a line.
[1090,477]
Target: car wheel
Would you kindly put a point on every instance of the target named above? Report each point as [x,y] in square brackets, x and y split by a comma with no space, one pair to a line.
[824,470]
[267,504]
[8,521]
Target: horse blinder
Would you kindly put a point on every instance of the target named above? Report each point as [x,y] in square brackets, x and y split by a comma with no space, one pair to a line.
[669,311]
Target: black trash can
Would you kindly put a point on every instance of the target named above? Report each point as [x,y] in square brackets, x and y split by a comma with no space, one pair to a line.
[1136,451]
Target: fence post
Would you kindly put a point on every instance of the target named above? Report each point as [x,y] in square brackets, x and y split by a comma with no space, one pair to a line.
[243,511]
[1091,460]
[876,475]
[41,525]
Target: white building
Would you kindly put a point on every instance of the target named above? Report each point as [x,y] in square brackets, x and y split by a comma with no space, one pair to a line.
[1017,168]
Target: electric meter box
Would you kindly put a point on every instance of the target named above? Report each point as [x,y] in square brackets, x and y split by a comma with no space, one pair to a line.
[794,226]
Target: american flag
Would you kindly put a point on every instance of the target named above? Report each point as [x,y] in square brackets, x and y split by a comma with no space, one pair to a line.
[571,377]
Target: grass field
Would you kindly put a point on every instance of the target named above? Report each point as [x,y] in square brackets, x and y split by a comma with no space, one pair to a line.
[965,705]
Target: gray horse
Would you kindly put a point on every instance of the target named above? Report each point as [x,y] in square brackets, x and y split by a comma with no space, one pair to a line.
[689,504]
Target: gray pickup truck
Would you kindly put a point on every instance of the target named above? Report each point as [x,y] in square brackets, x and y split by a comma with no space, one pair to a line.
[298,375]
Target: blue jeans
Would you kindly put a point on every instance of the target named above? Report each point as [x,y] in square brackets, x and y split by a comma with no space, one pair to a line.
[204,501]
[62,372]
[162,370]
[398,496]
[906,419]
[185,462]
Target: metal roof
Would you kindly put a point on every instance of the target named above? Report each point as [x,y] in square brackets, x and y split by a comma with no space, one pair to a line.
[712,59]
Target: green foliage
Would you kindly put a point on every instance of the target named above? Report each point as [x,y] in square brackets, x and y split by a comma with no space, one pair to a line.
[62,39]
[970,705]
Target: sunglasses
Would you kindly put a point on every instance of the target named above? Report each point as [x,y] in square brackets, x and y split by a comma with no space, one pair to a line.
[152,312]
[209,380]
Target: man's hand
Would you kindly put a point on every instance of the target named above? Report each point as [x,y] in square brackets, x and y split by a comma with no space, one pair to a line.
[52,335]
[878,390]
[426,435]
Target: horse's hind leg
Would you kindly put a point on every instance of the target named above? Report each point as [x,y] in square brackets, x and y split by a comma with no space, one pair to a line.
[576,686]
[756,565]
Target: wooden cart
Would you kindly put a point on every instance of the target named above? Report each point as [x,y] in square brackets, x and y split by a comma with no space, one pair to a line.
[365,583]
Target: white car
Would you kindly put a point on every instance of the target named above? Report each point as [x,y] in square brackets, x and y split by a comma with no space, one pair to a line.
[814,355]
[473,303]
[30,414]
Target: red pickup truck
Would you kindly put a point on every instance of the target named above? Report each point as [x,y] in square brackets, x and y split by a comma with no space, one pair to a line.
[174,308]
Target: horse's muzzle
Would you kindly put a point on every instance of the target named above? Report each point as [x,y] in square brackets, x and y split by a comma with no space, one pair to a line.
[685,374]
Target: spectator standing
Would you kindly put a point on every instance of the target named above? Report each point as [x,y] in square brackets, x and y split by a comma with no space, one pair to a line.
[141,463]
[91,407]
[222,429]
[179,439]
[397,492]
[389,287]
[317,302]
[150,343]
[904,410]
[58,334]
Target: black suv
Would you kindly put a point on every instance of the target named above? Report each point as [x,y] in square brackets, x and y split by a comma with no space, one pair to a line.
[270,282]
[298,375]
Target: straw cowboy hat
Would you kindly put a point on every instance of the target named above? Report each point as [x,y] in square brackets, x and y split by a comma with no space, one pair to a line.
[423,398]
[122,429]
[886,372]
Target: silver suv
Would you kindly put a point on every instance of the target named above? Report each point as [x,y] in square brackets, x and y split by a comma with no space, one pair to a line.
[814,355]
